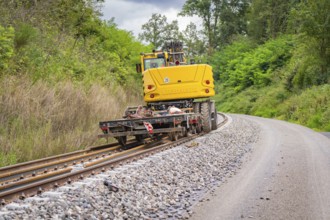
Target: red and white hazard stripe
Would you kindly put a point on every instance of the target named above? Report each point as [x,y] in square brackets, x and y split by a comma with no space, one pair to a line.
[149,127]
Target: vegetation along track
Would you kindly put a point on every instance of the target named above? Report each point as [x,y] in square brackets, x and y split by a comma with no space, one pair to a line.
[27,179]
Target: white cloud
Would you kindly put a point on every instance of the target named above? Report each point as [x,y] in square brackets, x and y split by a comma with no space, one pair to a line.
[132,15]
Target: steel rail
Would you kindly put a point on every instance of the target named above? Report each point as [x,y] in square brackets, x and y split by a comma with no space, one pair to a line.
[38,187]
[92,168]
[60,160]
[20,166]
[36,178]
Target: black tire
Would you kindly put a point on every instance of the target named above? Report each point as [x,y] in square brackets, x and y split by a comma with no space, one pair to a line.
[206,116]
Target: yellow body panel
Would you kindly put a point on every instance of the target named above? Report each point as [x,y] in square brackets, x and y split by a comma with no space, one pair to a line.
[178,82]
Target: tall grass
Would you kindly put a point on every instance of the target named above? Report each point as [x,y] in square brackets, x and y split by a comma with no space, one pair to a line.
[40,119]
[310,108]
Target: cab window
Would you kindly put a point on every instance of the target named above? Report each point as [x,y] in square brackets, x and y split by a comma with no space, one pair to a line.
[154,63]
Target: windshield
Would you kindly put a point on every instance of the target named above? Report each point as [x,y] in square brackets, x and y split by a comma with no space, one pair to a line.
[154,63]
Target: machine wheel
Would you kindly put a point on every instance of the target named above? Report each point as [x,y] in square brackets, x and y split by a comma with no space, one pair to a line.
[206,116]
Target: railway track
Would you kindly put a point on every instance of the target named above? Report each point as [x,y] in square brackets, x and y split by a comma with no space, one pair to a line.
[31,178]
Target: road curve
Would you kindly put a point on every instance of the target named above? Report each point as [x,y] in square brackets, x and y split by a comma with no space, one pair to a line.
[287,176]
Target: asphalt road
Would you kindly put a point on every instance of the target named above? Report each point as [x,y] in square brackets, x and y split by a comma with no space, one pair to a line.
[326,134]
[287,176]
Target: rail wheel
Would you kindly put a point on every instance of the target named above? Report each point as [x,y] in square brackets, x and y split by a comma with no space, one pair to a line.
[206,116]
[139,138]
[193,129]
[174,136]
[122,140]
[185,132]
[157,137]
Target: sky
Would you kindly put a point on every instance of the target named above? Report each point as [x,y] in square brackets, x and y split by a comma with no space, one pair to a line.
[132,14]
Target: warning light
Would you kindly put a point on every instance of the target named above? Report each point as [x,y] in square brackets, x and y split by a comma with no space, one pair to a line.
[177,62]
[207,82]
[149,87]
[207,90]
[152,96]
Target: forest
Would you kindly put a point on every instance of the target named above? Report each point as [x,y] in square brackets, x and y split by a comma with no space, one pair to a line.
[63,68]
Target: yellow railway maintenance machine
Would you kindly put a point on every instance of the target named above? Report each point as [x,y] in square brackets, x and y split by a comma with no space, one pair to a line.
[169,81]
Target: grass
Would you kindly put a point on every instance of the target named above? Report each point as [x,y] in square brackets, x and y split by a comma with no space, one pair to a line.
[38,119]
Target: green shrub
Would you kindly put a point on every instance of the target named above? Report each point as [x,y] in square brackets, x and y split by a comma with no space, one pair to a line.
[24,34]
[252,66]
[6,46]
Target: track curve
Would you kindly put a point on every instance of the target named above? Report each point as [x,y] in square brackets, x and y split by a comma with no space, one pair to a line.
[27,179]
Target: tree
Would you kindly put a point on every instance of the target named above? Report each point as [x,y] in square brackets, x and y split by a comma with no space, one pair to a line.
[221,19]
[154,29]
[209,11]
[316,24]
[233,19]
[241,64]
[257,21]
[172,32]
[224,60]
[311,20]
[65,14]
[268,18]
[194,46]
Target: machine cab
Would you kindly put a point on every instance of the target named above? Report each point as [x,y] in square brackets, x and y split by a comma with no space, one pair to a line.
[155,59]
[153,63]
[171,55]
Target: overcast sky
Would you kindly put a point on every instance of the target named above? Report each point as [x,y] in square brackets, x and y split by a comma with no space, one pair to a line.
[132,14]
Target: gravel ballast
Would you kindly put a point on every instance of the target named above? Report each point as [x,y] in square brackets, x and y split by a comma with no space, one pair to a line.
[164,186]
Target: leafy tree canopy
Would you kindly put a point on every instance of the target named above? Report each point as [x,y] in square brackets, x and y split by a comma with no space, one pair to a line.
[154,30]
